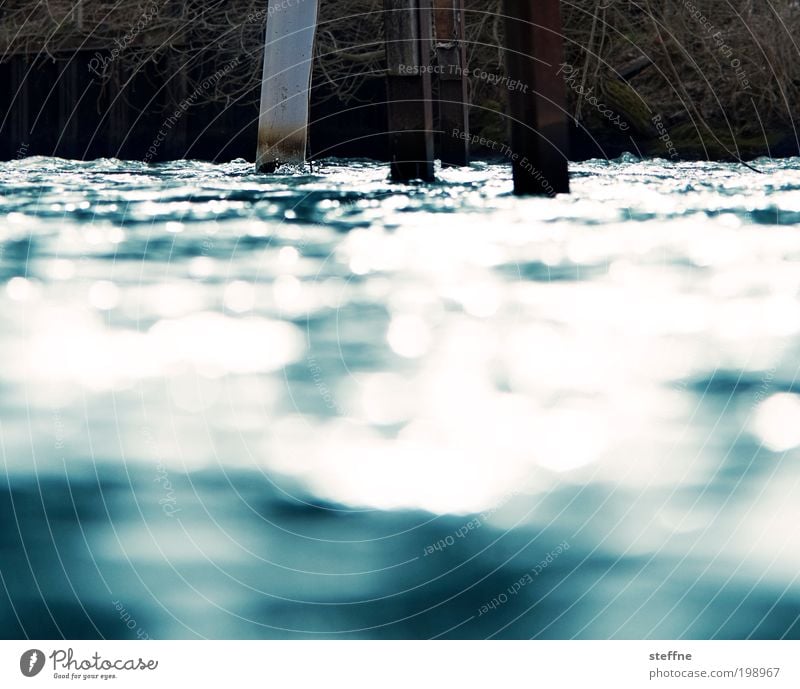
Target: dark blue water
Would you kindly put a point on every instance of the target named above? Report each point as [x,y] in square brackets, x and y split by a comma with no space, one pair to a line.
[323,405]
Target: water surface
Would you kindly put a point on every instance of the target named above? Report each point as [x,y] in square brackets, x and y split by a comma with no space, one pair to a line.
[324,405]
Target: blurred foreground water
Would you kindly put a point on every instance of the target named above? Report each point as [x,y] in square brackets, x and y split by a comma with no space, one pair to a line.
[236,406]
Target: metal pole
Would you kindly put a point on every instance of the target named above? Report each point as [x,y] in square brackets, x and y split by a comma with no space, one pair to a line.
[539,133]
[451,60]
[286,83]
[408,88]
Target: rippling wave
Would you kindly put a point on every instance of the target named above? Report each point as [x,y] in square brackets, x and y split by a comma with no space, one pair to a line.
[322,404]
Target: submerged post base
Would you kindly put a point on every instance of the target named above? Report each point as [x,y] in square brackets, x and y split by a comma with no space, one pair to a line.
[267,168]
[539,132]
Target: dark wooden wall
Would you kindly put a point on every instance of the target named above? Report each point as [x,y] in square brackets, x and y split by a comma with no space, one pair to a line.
[59,108]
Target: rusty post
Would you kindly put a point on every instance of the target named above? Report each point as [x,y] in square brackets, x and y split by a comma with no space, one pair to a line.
[408,88]
[286,83]
[451,64]
[539,133]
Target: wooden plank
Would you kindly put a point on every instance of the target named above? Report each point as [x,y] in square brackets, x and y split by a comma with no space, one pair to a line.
[19,111]
[539,131]
[286,83]
[67,145]
[176,144]
[451,61]
[118,111]
[408,87]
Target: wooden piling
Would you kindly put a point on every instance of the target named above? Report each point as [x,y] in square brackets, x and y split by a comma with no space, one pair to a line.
[451,63]
[286,83]
[539,132]
[408,87]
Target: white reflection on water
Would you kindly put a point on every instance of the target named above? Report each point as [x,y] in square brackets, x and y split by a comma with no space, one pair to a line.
[777,422]
[623,361]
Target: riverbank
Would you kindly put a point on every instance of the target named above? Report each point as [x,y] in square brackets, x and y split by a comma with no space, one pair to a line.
[699,80]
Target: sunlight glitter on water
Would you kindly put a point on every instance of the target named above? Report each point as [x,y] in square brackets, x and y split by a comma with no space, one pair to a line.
[425,347]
